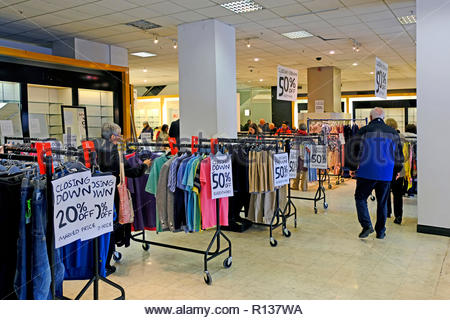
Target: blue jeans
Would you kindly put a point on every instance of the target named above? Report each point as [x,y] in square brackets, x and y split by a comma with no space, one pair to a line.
[363,190]
[20,279]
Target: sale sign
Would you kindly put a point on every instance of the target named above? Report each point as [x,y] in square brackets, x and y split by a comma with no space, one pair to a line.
[281,169]
[381,78]
[293,163]
[318,157]
[221,177]
[287,84]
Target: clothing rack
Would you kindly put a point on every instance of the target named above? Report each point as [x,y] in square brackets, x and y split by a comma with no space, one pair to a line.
[25,139]
[48,161]
[322,176]
[207,254]
[278,213]
[308,121]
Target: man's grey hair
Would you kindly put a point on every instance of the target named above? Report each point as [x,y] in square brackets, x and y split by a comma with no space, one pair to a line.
[377,113]
[108,129]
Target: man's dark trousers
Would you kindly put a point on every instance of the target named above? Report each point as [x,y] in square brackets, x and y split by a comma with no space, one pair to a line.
[363,190]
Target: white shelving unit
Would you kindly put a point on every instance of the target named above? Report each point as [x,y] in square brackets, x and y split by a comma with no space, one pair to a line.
[99,109]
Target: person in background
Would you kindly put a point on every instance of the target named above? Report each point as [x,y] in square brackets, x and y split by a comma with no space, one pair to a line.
[163,135]
[376,153]
[146,129]
[108,161]
[284,129]
[293,130]
[411,132]
[247,125]
[301,180]
[272,128]
[254,129]
[396,184]
[263,125]
[174,131]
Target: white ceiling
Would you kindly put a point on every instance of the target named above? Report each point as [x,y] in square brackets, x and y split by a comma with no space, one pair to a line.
[372,23]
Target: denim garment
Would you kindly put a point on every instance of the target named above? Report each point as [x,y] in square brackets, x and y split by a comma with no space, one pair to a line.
[20,279]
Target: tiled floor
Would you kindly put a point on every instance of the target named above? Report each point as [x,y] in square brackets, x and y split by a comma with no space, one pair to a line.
[323,259]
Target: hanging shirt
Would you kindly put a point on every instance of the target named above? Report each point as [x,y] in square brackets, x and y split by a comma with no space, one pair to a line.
[208,205]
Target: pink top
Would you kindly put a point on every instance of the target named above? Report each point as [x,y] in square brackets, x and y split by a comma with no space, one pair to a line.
[208,205]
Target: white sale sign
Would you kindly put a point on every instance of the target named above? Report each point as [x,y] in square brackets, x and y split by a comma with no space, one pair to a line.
[281,169]
[318,157]
[293,163]
[221,177]
[287,84]
[381,78]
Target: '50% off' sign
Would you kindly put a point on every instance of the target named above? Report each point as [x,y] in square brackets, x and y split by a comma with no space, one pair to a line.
[221,177]
[287,84]
[281,169]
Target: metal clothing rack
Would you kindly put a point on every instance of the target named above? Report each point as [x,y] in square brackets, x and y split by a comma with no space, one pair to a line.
[207,254]
[48,162]
[308,121]
[25,139]
[278,213]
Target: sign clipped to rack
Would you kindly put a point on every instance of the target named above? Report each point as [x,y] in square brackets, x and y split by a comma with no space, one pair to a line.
[221,177]
[381,78]
[293,163]
[83,207]
[287,84]
[318,157]
[281,169]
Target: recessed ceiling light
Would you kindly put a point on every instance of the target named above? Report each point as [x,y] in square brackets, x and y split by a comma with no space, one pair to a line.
[407,19]
[261,80]
[355,64]
[175,45]
[143,54]
[332,52]
[298,34]
[155,40]
[242,6]
[256,59]
[145,70]
[371,72]
[145,80]
[248,44]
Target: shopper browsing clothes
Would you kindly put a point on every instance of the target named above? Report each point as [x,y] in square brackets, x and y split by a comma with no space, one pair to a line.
[108,161]
[396,183]
[272,128]
[163,135]
[376,153]
[284,129]
[253,129]
[263,125]
[146,129]
[174,131]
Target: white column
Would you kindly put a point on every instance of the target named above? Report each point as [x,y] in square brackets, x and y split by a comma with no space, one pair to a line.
[207,79]
[433,81]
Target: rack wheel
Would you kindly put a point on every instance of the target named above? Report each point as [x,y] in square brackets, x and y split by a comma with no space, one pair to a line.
[315,210]
[286,233]
[117,256]
[325,205]
[227,262]
[330,186]
[145,246]
[372,198]
[207,277]
[273,242]
[338,182]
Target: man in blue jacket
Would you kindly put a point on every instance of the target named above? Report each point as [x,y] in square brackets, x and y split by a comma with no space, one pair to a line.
[376,154]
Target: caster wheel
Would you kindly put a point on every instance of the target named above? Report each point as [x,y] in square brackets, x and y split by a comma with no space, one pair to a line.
[330,186]
[286,233]
[117,256]
[207,277]
[325,205]
[338,183]
[273,242]
[315,210]
[372,198]
[227,262]
[145,246]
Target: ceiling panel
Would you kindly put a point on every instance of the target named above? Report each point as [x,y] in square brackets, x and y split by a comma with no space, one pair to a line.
[194,4]
[166,7]
[290,10]
[322,5]
[188,16]
[214,12]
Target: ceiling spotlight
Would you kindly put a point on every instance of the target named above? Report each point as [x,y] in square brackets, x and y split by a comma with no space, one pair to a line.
[354,64]
[175,45]
[356,45]
[145,70]
[332,52]
[145,80]
[371,72]
[256,59]
[261,80]
[248,44]
[155,39]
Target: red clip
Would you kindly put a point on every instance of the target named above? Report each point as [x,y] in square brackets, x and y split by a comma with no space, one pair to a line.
[172,142]
[41,149]
[88,146]
[214,142]
[193,143]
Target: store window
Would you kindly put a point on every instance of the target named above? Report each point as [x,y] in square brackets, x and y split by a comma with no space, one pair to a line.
[147,109]
[259,103]
[10,120]
[99,109]
[44,110]
[171,109]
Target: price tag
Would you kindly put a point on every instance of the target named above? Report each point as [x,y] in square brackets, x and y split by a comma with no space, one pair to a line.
[381,78]
[341,138]
[318,157]
[287,84]
[293,163]
[221,177]
[281,169]
[83,207]
[102,205]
